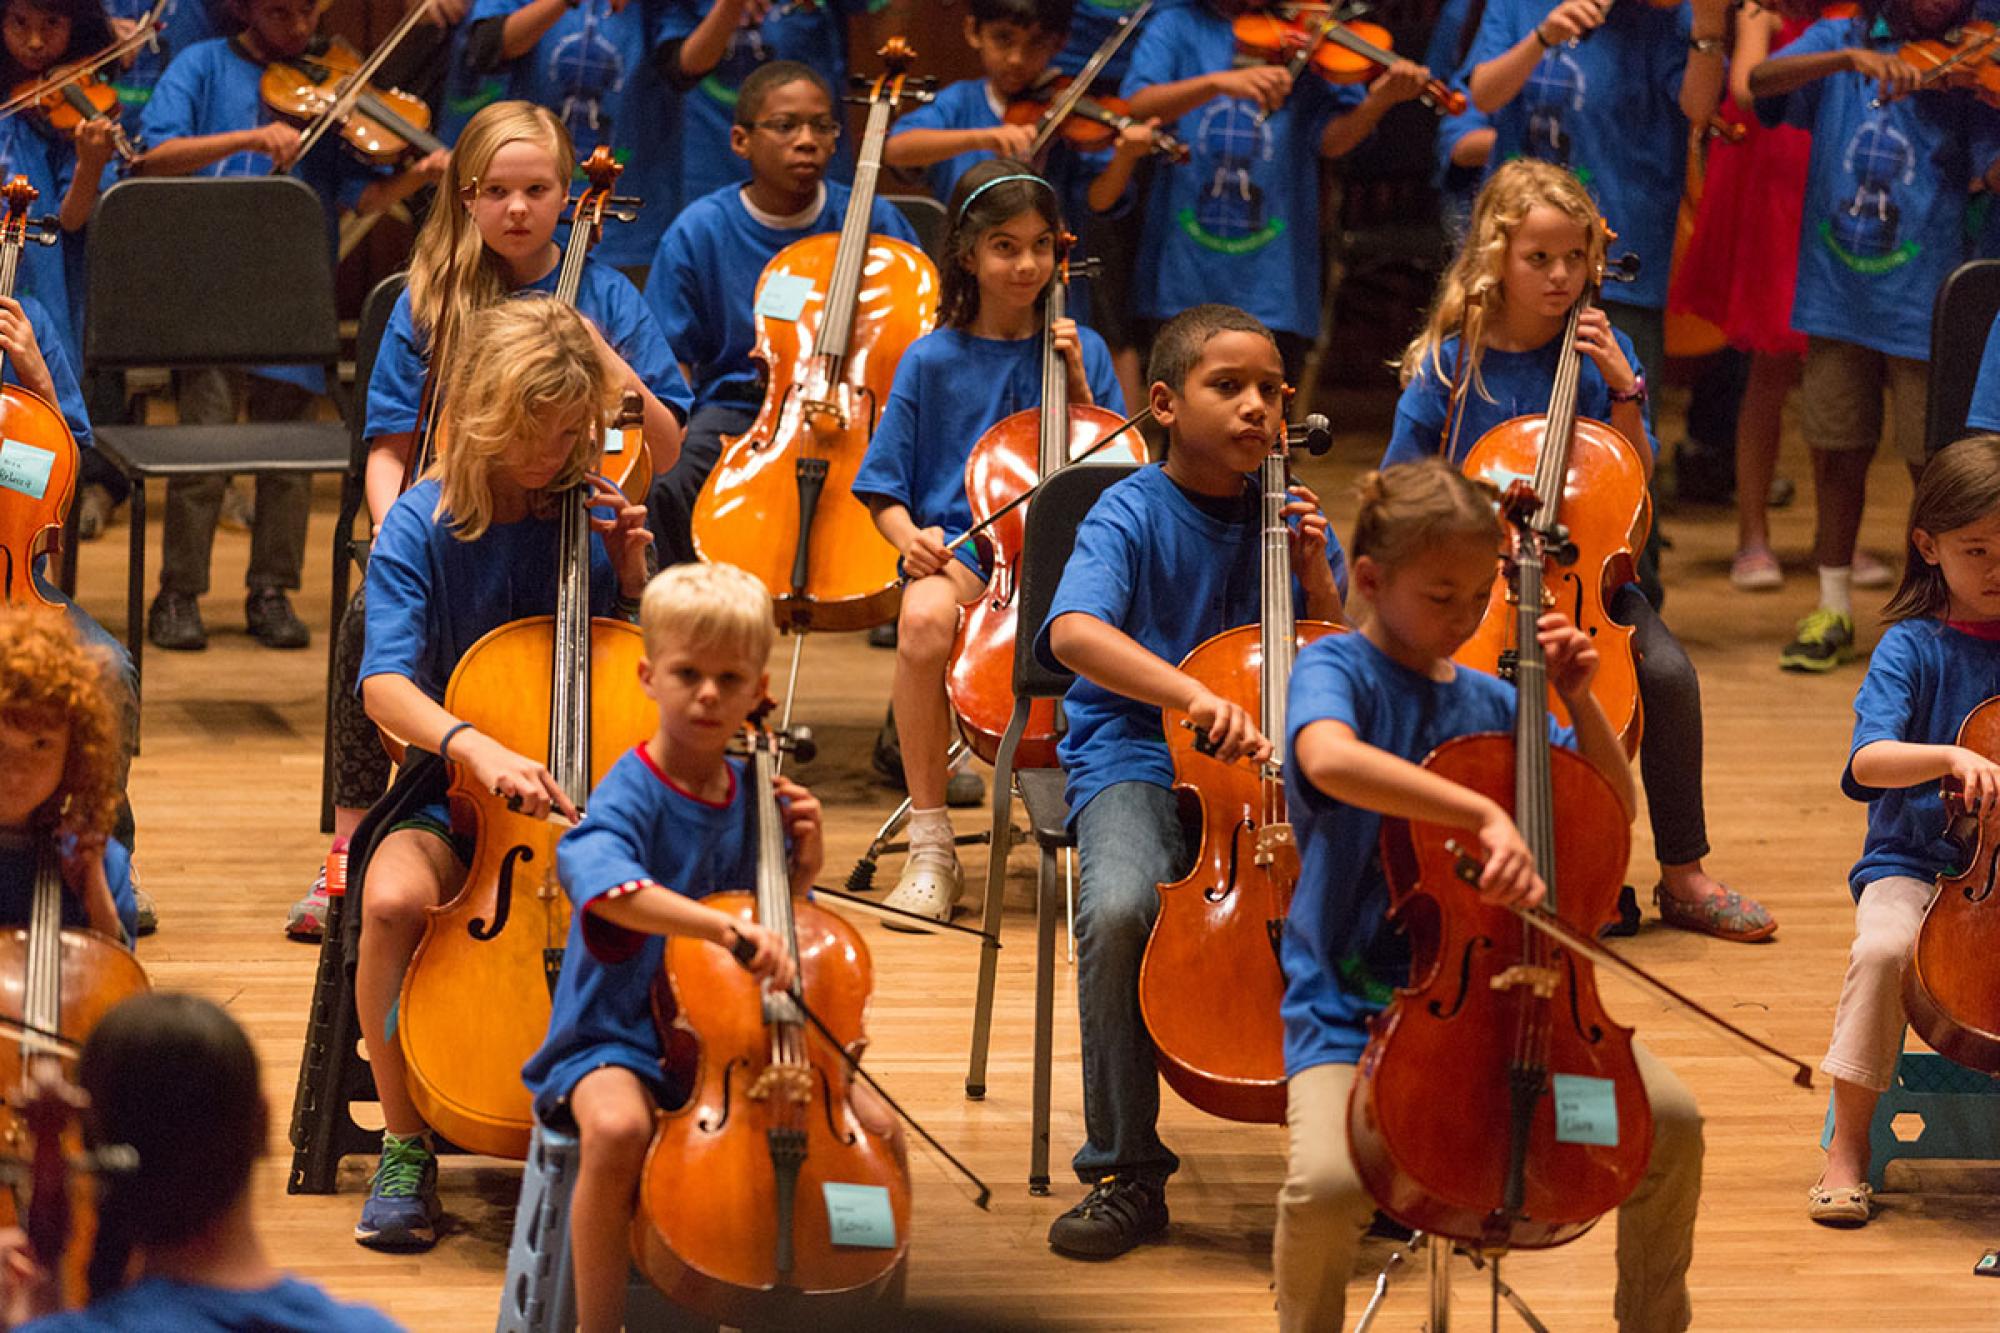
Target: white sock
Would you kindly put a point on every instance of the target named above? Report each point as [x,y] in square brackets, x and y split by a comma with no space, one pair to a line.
[1835,584]
[930,831]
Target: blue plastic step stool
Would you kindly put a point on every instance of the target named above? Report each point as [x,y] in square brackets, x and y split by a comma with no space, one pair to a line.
[1959,1107]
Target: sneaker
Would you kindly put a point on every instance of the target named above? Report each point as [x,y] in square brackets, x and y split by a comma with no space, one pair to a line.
[271,620]
[146,912]
[1755,571]
[929,886]
[175,623]
[402,1208]
[1872,572]
[93,512]
[964,790]
[307,919]
[883,636]
[1117,1214]
[1825,640]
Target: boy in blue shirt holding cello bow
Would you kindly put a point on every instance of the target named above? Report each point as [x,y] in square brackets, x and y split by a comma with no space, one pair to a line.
[1165,559]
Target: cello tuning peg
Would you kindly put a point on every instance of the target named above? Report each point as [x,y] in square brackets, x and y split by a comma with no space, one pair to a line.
[800,744]
[1625,268]
[1314,434]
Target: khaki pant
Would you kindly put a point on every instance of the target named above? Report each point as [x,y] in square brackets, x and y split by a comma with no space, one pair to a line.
[1323,1208]
[1868,1024]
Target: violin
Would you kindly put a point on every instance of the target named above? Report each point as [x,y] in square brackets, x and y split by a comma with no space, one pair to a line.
[1091,124]
[475,1001]
[780,501]
[1309,36]
[1965,56]
[1948,988]
[752,1188]
[1210,984]
[1594,517]
[38,457]
[328,88]
[71,94]
[1010,459]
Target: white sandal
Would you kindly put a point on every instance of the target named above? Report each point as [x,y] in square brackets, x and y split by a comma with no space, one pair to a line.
[928,887]
[1845,1206]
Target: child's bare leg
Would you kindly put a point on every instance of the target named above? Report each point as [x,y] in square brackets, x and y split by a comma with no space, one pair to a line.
[614,1122]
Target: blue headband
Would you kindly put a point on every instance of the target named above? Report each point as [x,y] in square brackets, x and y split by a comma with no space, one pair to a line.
[999,180]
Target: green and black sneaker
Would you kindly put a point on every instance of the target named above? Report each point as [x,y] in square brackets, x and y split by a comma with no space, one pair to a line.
[1825,640]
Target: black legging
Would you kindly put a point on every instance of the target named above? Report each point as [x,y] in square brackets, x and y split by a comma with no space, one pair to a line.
[1670,749]
[360,764]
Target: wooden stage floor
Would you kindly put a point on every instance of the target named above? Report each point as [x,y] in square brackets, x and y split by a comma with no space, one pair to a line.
[227,793]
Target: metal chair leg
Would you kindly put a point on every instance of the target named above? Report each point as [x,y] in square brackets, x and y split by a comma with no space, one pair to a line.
[135,591]
[1045,986]
[1069,898]
[996,898]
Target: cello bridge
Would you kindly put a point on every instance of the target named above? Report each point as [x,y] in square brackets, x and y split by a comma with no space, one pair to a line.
[823,416]
[1274,841]
[793,1083]
[1541,980]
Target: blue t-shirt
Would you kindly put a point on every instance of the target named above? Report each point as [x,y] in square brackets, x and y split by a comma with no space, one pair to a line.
[1885,209]
[1923,679]
[1095,21]
[1516,383]
[595,70]
[1336,942]
[49,166]
[19,859]
[62,369]
[703,282]
[1608,108]
[813,35]
[950,386]
[1984,413]
[162,1305]
[970,105]
[1149,562]
[184,23]
[604,296]
[638,828]
[431,596]
[1239,223]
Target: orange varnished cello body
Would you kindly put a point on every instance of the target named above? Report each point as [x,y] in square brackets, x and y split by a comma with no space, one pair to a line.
[1594,482]
[1948,988]
[1210,984]
[1013,456]
[834,315]
[1483,1157]
[475,1001]
[38,457]
[733,1219]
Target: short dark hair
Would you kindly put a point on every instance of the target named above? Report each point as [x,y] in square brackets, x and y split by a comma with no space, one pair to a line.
[1048,15]
[768,78]
[1177,349]
[990,194]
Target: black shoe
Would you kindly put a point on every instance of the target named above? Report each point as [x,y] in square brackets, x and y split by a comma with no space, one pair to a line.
[1117,1214]
[883,636]
[964,789]
[175,623]
[272,622]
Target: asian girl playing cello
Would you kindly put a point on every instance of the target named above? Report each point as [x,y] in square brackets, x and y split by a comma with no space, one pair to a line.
[1364,710]
[1533,239]
[470,547]
[1938,660]
[983,363]
[510,173]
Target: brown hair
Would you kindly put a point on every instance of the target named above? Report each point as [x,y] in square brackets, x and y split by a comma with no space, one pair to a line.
[1960,485]
[1410,506]
[48,677]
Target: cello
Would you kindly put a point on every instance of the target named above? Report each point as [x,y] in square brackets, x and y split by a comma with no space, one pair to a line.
[1010,459]
[474,1004]
[833,317]
[1594,514]
[1210,984]
[766,1197]
[1948,990]
[38,457]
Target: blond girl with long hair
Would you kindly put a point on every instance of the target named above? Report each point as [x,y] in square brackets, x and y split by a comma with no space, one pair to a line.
[473,545]
[1489,352]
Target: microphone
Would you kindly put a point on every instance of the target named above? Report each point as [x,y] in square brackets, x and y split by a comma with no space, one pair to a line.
[1315,433]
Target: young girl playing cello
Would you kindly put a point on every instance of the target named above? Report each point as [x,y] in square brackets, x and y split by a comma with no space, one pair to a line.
[983,363]
[1938,660]
[1534,239]
[470,547]
[1364,710]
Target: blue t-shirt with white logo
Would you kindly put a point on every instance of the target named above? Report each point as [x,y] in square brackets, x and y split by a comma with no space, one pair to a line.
[1984,413]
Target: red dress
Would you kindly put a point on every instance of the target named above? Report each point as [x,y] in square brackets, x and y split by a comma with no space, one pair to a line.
[1743,258]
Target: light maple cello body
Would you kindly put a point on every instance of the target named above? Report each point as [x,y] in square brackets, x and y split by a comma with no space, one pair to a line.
[834,315]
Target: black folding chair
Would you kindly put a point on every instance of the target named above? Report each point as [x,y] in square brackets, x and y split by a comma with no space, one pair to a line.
[1058,509]
[927,215]
[193,272]
[1961,318]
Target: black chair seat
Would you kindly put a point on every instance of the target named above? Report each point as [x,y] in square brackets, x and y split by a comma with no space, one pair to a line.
[1048,813]
[276,446]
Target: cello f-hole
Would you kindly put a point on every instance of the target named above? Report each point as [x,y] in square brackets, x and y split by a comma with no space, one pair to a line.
[1214,893]
[846,1137]
[1590,1032]
[504,899]
[715,1126]
[1440,1010]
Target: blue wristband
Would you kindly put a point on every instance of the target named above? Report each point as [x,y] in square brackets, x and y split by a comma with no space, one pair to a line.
[444,746]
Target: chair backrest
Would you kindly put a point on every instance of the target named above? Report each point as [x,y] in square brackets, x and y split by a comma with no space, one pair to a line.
[1963,315]
[375,312]
[927,215]
[191,271]
[1054,515]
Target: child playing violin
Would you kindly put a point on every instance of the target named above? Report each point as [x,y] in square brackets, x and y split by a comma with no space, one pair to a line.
[1885,218]
[470,547]
[671,823]
[1364,710]
[1938,660]
[1165,559]
[1534,240]
[702,286]
[982,364]
[506,185]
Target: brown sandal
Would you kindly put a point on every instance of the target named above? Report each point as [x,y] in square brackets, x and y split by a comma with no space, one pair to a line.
[1844,1206]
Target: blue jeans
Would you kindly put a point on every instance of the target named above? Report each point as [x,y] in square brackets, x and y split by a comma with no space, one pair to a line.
[1129,841]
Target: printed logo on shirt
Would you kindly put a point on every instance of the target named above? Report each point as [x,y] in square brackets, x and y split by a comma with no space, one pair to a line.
[1228,216]
[1557,85]
[484,94]
[1863,232]
[747,50]
[590,69]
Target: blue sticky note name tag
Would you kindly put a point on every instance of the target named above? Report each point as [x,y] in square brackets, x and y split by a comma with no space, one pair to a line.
[25,468]
[858,1215]
[1586,1110]
[784,296]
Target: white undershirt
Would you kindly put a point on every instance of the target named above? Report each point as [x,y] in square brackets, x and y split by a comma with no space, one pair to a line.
[798,221]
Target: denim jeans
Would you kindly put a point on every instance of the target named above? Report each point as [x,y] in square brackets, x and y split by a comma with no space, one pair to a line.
[1129,840]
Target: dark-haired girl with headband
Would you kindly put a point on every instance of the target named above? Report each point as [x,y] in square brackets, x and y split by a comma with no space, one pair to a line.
[983,363]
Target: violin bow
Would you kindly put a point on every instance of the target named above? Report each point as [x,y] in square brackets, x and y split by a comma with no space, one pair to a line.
[356,84]
[1079,87]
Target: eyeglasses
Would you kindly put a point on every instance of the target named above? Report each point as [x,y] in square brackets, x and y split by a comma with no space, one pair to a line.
[787,127]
